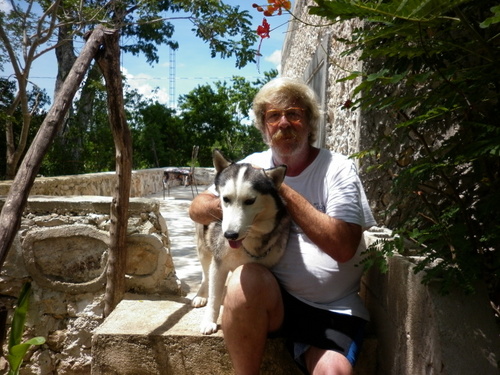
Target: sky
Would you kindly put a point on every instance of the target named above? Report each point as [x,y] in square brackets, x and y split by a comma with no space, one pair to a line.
[193,64]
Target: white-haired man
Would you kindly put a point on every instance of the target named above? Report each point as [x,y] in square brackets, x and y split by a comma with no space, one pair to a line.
[311,296]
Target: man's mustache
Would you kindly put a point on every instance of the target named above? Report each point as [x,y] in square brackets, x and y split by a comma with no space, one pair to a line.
[285,134]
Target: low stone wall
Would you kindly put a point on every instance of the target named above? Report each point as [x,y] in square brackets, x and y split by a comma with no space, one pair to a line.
[420,331]
[144,182]
[62,246]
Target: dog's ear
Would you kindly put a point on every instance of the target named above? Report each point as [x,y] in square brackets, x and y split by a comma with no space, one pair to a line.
[220,162]
[276,174]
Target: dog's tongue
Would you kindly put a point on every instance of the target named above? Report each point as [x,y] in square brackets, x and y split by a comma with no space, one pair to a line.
[235,244]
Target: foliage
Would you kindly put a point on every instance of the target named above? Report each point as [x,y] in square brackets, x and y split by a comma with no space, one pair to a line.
[148,25]
[162,140]
[91,143]
[17,349]
[218,117]
[435,71]
[376,254]
[37,99]
[209,117]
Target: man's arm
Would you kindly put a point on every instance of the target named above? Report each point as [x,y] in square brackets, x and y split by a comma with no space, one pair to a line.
[335,237]
[205,208]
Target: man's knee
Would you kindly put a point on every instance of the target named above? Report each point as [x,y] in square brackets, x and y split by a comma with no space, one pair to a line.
[254,288]
[320,361]
[251,279]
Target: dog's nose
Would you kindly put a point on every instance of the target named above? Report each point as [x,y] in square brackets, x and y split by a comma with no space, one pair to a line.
[231,235]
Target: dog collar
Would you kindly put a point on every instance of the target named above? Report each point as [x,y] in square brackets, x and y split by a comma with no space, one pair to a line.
[257,257]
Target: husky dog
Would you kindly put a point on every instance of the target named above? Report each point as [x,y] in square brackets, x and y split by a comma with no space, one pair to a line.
[254,228]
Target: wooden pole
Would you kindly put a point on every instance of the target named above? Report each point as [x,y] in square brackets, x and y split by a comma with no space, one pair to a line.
[109,62]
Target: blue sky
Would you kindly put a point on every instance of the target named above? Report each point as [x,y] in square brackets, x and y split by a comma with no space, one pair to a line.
[193,67]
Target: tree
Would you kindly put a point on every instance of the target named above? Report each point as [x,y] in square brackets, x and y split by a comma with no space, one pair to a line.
[87,146]
[219,117]
[20,32]
[163,139]
[147,26]
[24,179]
[7,95]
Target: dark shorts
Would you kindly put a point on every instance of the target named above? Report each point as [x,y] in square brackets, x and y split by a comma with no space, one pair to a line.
[306,326]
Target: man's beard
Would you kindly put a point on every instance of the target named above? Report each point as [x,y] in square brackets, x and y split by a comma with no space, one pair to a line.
[286,142]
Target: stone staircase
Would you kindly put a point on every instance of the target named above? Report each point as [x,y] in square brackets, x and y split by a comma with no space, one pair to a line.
[160,336]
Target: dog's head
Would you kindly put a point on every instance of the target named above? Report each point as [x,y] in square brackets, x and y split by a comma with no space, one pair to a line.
[249,198]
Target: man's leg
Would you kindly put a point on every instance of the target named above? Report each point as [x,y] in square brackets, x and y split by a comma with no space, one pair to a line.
[252,308]
[326,362]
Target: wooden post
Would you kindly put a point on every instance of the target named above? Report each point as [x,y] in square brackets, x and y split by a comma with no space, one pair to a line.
[109,62]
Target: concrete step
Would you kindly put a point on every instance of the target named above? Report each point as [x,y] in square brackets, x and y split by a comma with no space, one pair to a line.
[150,337]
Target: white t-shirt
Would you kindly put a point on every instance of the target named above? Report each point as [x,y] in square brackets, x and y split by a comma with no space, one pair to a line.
[331,184]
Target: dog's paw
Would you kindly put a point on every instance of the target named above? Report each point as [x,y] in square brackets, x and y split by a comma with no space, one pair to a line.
[207,328]
[198,301]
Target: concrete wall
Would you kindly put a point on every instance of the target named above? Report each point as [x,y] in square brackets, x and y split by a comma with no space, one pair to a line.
[314,53]
[420,331]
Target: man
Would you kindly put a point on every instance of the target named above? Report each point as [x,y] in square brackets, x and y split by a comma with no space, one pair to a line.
[311,295]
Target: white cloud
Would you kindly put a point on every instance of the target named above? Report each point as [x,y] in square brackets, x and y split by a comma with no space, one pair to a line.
[275,58]
[5,6]
[146,86]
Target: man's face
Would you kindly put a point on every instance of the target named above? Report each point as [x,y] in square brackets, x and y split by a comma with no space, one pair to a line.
[287,128]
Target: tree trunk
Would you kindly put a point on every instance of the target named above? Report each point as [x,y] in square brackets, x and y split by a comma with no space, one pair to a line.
[65,55]
[72,133]
[109,63]
[13,153]
[83,119]
[15,202]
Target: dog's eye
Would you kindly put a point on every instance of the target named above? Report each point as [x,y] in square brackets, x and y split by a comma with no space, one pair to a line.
[226,200]
[249,201]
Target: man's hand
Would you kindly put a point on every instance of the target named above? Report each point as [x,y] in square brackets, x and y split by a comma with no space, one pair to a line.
[335,237]
[205,208]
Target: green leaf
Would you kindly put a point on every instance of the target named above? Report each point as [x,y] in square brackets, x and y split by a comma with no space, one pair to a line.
[398,77]
[19,318]
[351,76]
[387,11]
[491,20]
[375,76]
[17,353]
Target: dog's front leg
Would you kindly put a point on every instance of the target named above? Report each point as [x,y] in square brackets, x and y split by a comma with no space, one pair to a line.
[216,282]
[205,258]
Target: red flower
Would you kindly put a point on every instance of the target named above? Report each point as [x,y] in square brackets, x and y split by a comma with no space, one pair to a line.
[277,5]
[273,6]
[264,29]
[348,104]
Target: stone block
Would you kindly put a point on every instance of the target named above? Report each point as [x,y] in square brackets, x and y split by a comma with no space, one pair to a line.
[150,337]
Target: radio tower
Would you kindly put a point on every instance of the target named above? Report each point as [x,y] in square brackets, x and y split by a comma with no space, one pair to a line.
[171,92]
